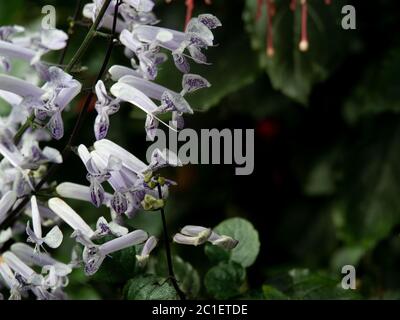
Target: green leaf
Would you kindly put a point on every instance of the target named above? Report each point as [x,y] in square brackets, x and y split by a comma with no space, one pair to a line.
[118,267]
[317,285]
[225,280]
[347,256]
[291,71]
[321,179]
[149,287]
[188,278]
[248,248]
[378,91]
[271,293]
[369,205]
[227,75]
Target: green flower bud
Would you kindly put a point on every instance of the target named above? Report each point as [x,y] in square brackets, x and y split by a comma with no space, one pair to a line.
[147,177]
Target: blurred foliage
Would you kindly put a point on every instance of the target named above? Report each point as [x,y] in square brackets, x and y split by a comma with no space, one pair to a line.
[325,188]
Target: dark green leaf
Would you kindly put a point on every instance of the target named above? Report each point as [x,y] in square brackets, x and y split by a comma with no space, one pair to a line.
[225,280]
[369,205]
[149,287]
[118,267]
[308,285]
[378,91]
[187,277]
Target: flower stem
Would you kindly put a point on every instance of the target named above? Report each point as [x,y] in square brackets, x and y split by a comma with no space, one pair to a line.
[168,251]
[89,37]
[23,128]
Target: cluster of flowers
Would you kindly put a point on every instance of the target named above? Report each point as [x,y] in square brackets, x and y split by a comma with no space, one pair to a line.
[37,104]
[271,12]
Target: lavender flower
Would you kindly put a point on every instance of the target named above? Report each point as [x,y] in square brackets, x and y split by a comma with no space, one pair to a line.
[5,34]
[79,192]
[53,239]
[104,228]
[93,255]
[148,247]
[8,278]
[38,102]
[32,258]
[124,172]
[105,106]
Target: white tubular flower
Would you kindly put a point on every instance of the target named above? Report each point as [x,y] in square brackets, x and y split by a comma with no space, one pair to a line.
[8,50]
[196,235]
[22,269]
[43,42]
[8,277]
[148,247]
[91,10]
[164,158]
[53,238]
[75,191]
[93,255]
[127,93]
[223,241]
[170,101]
[105,106]
[5,235]
[6,203]
[20,87]
[66,213]
[192,235]
[107,148]
[128,179]
[10,151]
[28,255]
[141,5]
[118,71]
[11,50]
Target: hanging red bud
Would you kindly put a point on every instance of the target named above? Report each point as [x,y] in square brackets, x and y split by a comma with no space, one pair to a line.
[189,11]
[269,32]
[293,4]
[303,45]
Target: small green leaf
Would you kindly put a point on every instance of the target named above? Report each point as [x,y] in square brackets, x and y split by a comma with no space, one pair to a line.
[248,247]
[225,280]
[149,287]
